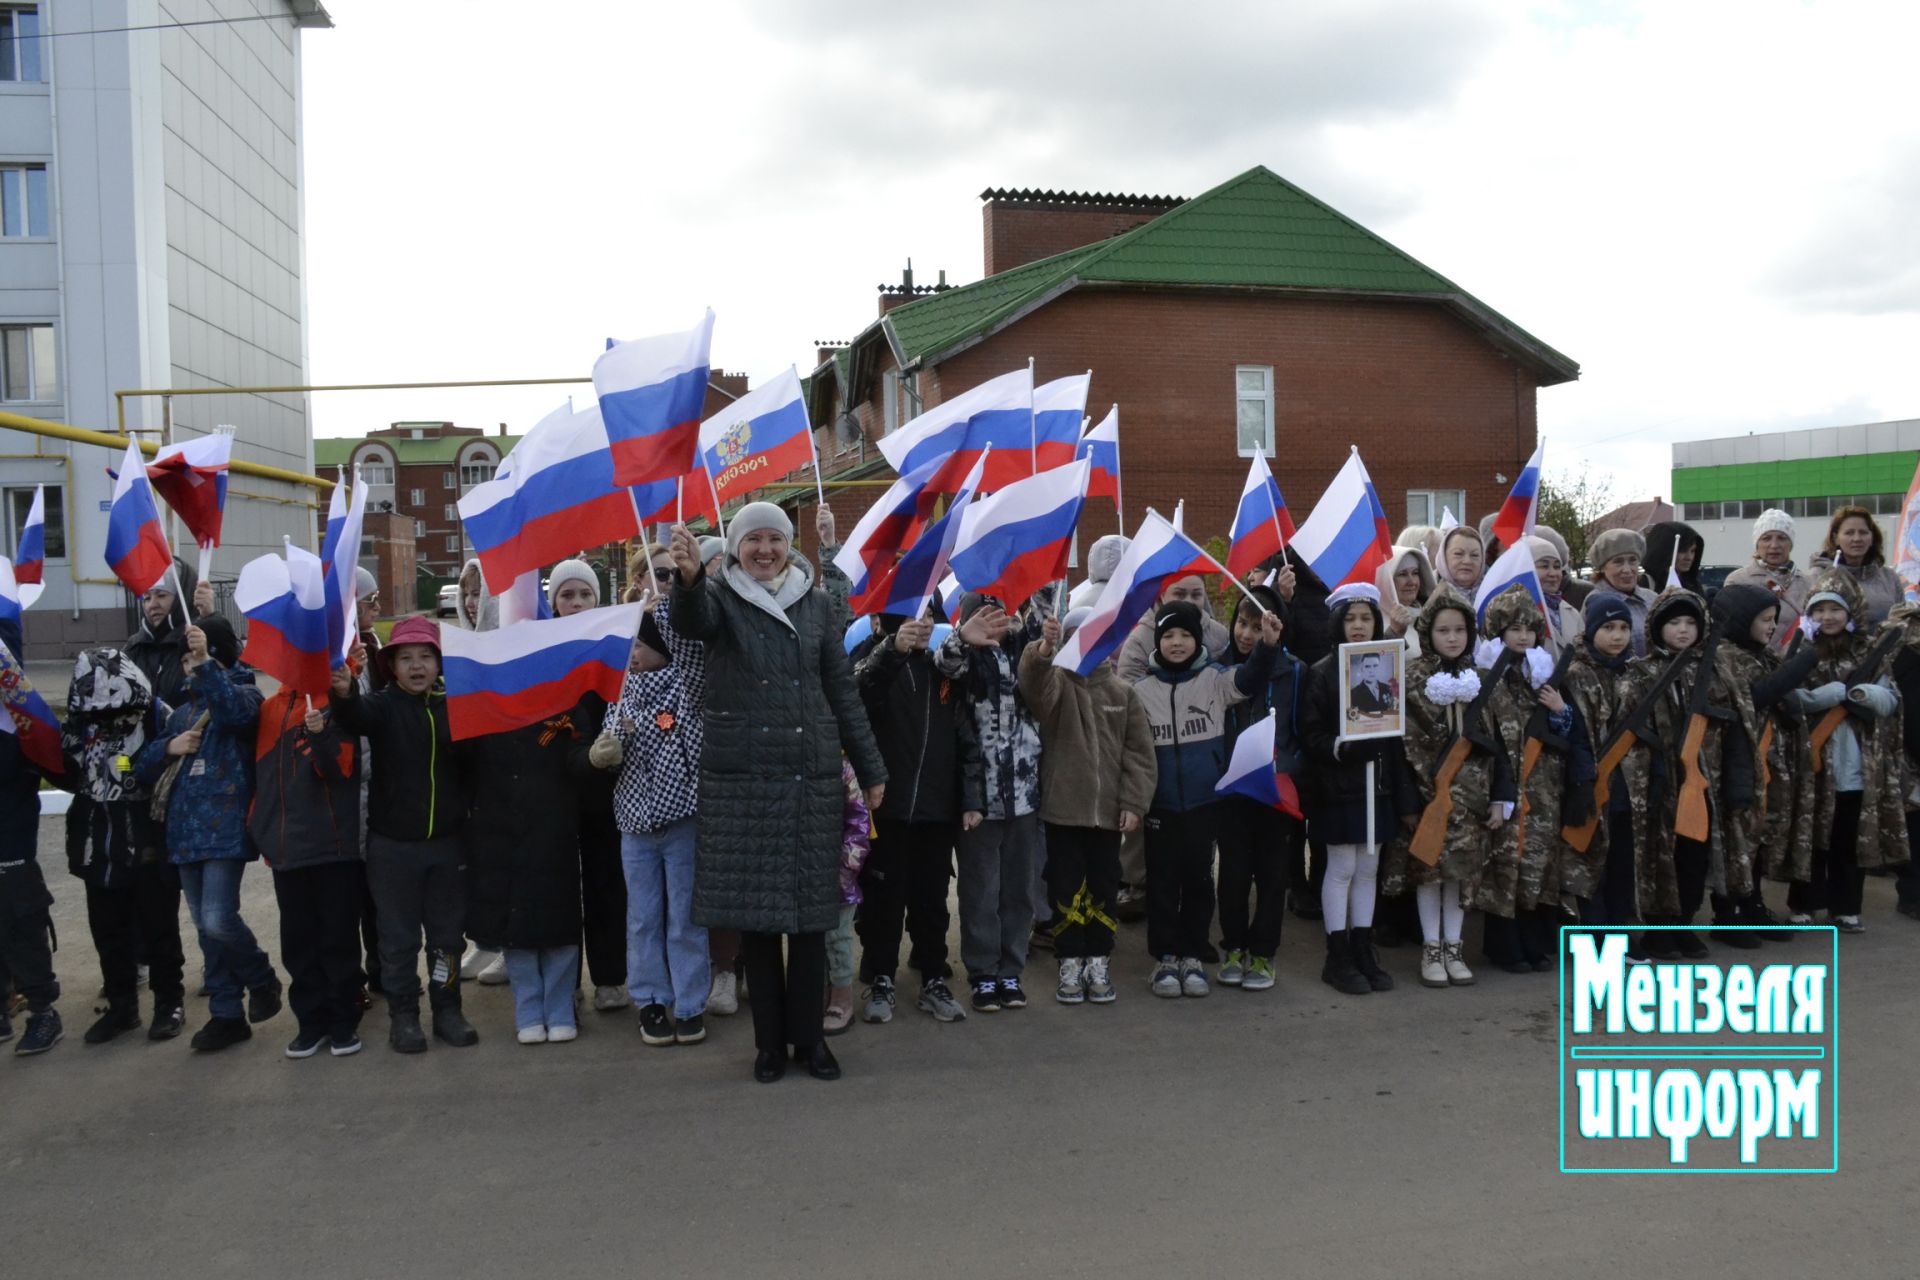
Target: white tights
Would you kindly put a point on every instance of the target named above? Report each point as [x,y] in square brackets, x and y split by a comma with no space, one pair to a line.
[1347,896]
[1441,913]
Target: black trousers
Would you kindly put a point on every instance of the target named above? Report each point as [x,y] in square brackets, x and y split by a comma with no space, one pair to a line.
[1180,869]
[1083,875]
[1526,937]
[1908,884]
[420,887]
[1255,841]
[787,993]
[26,933]
[369,936]
[603,904]
[320,944]
[136,922]
[905,882]
[1846,882]
[1612,902]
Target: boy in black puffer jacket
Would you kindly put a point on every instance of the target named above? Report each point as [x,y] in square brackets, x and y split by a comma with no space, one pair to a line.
[916,716]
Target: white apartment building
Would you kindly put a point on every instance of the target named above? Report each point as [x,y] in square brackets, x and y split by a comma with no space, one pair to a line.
[151,225]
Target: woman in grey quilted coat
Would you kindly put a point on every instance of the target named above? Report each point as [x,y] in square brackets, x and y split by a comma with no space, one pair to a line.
[781,709]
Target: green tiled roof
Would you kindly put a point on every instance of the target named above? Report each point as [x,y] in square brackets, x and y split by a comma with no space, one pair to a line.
[1256,231]
[332,451]
[1860,473]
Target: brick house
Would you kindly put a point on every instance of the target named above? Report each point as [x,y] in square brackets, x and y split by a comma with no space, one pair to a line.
[1253,317]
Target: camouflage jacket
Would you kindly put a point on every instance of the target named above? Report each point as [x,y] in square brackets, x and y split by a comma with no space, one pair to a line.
[1432,727]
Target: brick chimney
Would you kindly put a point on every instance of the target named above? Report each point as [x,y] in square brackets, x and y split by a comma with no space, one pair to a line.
[1024,226]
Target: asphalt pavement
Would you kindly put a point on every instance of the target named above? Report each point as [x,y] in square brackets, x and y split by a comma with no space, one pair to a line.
[1291,1132]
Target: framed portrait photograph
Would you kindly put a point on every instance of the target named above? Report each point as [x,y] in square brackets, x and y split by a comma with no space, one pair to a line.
[1372,677]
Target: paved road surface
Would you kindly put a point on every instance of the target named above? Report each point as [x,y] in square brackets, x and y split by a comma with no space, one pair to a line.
[1290,1133]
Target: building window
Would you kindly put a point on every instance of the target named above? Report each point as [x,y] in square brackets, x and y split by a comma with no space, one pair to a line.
[23,200]
[890,400]
[1426,506]
[419,528]
[377,473]
[1253,408]
[453,544]
[20,43]
[19,501]
[472,473]
[31,372]
[419,497]
[449,512]
[446,480]
[366,548]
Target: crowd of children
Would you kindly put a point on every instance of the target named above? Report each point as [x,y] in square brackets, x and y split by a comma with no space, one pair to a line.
[1621,753]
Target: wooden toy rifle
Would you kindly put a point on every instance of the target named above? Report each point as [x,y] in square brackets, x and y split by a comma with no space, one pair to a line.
[1430,837]
[1690,818]
[1630,732]
[1865,672]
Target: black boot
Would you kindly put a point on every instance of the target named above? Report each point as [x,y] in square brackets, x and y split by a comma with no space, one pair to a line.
[1727,912]
[1367,962]
[1338,972]
[112,1023]
[403,1033]
[449,1023]
[1754,911]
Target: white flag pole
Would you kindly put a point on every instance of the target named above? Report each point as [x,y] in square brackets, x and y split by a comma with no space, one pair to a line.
[1033,425]
[1119,490]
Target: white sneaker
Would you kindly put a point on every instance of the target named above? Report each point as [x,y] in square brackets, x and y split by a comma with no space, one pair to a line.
[1433,969]
[1072,988]
[1193,978]
[1165,981]
[494,972]
[476,959]
[535,1034]
[560,1035]
[1458,974]
[1099,983]
[607,999]
[723,997]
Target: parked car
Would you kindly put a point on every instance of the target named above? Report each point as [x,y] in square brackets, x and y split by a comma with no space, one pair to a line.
[449,600]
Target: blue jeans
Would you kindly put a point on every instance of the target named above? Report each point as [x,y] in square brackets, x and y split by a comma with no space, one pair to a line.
[666,951]
[235,963]
[543,981]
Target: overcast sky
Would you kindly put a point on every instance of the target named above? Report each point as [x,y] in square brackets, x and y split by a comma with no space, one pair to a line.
[1710,205]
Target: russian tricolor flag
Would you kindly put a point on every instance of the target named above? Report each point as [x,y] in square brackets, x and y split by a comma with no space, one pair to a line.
[950,437]
[1158,553]
[1518,513]
[11,605]
[907,585]
[652,391]
[887,527]
[192,477]
[1346,538]
[285,602]
[28,718]
[1260,525]
[1101,446]
[759,437]
[554,493]
[30,558]
[1251,772]
[1017,540]
[675,500]
[136,544]
[339,557]
[1059,410]
[512,677]
[1513,568]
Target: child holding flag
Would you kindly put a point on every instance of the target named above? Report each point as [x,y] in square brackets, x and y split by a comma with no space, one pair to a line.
[1257,840]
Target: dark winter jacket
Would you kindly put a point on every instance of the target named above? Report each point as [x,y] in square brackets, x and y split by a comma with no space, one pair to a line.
[306,793]
[19,803]
[1337,798]
[207,808]
[1282,693]
[916,714]
[157,651]
[1187,713]
[781,707]
[416,789]
[1310,632]
[1664,543]
[523,830]
[111,716]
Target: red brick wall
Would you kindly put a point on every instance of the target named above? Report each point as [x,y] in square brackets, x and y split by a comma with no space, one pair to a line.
[1430,403]
[1017,232]
[394,560]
